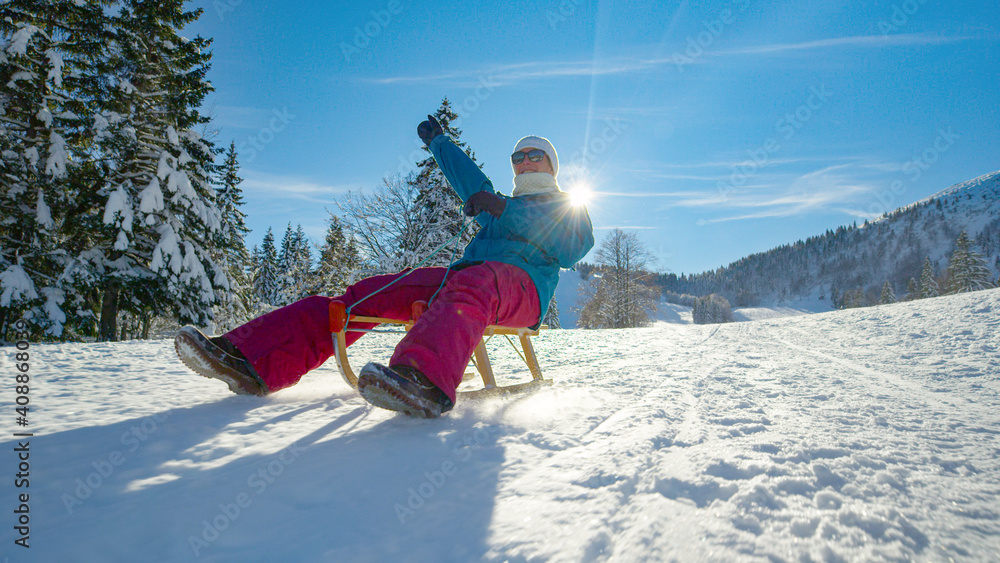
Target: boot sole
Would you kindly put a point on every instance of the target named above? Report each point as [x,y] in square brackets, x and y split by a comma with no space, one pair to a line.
[384,394]
[192,354]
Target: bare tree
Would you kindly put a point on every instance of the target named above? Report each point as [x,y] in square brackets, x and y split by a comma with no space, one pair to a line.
[620,295]
[384,222]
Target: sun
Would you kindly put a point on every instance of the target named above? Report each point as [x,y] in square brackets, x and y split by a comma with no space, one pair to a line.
[580,193]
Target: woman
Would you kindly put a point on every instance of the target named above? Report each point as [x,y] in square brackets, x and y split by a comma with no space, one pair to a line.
[507,276]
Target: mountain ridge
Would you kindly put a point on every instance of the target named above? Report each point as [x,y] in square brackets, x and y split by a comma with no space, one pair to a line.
[891,248]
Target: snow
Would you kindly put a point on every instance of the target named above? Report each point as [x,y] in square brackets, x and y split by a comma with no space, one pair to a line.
[43,215]
[151,197]
[19,43]
[859,435]
[800,306]
[673,313]
[163,166]
[119,209]
[179,184]
[101,124]
[193,271]
[30,153]
[121,242]
[45,116]
[15,285]
[54,298]
[172,135]
[56,62]
[20,75]
[167,251]
[55,166]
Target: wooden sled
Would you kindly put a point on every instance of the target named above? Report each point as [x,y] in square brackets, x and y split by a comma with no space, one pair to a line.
[339,329]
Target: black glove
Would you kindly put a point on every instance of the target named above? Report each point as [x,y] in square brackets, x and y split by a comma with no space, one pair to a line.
[485,201]
[429,129]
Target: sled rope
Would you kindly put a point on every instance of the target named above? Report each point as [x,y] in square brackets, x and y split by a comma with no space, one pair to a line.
[515,348]
[465,226]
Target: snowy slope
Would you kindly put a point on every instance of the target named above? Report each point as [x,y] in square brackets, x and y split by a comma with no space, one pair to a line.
[891,248]
[861,435]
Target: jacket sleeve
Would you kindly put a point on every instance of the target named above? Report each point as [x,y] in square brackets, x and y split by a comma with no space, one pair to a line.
[462,173]
[551,223]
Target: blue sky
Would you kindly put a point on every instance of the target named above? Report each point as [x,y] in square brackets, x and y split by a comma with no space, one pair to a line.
[712,129]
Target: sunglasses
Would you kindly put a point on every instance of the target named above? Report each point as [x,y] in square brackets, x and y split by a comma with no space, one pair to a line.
[534,155]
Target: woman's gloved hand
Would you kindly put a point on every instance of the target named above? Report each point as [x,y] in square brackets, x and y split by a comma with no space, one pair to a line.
[429,129]
[485,201]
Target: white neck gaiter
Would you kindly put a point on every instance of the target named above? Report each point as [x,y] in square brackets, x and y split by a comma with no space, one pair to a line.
[534,183]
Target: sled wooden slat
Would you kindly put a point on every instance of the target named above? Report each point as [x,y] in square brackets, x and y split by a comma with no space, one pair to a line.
[339,329]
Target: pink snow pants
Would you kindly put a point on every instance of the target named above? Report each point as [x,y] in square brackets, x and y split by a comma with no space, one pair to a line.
[288,342]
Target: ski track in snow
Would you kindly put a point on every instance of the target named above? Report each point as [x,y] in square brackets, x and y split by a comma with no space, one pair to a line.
[861,435]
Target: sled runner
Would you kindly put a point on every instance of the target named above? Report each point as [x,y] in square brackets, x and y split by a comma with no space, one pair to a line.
[339,329]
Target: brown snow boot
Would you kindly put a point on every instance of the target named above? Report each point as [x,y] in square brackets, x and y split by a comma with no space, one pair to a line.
[217,358]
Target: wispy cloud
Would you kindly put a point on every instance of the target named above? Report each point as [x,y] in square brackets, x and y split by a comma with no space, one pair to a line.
[840,187]
[834,188]
[500,75]
[858,41]
[279,187]
[626,228]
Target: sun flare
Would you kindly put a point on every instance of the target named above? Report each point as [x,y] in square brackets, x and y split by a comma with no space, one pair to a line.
[580,194]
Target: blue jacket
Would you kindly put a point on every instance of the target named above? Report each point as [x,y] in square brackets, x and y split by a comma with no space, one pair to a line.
[538,233]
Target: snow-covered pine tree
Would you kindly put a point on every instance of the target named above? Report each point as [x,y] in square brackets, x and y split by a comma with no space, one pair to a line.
[50,66]
[912,290]
[339,259]
[294,266]
[253,261]
[303,265]
[154,252]
[888,296]
[438,207]
[928,282]
[266,283]
[712,309]
[967,270]
[235,307]
[287,257]
[552,315]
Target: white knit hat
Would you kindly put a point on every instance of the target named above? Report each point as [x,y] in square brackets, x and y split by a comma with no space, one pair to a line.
[538,143]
